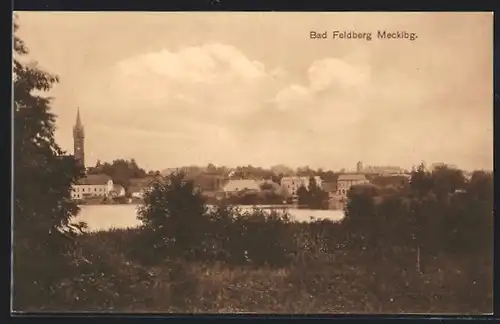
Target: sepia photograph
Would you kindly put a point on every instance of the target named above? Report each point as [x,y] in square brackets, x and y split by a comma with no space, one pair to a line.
[252,162]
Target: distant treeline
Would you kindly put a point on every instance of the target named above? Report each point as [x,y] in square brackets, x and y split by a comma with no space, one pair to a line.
[122,170]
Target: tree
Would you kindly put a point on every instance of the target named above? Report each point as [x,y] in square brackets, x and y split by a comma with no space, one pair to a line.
[360,205]
[303,195]
[121,171]
[211,168]
[360,214]
[97,169]
[318,199]
[305,171]
[328,176]
[447,180]
[276,178]
[281,169]
[312,197]
[175,215]
[43,177]
[469,217]
[480,186]
[392,215]
[421,181]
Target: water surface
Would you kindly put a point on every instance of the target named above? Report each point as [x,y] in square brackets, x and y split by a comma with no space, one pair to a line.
[105,217]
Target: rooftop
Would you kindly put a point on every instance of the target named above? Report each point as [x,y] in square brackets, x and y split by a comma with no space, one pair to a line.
[235,185]
[94,179]
[351,177]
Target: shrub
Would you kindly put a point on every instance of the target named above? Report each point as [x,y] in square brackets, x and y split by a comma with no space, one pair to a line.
[174,215]
[267,237]
[254,237]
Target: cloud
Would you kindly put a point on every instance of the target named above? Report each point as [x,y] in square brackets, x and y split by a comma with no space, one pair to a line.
[193,76]
[334,72]
[205,64]
[291,96]
[334,89]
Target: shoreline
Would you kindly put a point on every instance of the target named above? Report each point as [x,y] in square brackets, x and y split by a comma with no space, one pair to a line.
[211,205]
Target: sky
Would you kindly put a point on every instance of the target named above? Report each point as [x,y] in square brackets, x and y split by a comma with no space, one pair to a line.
[174,89]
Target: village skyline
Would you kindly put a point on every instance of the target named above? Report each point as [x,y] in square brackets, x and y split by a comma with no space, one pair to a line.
[292,170]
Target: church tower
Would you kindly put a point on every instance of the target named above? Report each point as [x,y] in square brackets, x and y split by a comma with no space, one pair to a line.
[359,167]
[78,140]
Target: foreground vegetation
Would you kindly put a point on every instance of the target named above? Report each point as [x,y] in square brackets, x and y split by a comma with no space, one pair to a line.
[188,258]
[425,247]
[113,274]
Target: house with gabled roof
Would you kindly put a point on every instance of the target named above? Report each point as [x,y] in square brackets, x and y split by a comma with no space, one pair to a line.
[346,181]
[338,198]
[292,184]
[92,185]
[237,186]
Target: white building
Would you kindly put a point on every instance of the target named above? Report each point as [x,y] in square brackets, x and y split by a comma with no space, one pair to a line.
[118,191]
[292,184]
[137,192]
[92,186]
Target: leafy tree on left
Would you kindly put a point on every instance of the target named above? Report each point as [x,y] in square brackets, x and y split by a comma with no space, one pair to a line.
[43,175]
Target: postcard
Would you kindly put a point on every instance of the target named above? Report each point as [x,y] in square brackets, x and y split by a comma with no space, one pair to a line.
[253,162]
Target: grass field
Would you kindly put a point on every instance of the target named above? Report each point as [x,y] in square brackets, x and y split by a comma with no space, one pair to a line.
[343,281]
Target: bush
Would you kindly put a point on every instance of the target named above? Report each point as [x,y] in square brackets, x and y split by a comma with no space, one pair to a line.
[174,215]
[254,237]
[267,237]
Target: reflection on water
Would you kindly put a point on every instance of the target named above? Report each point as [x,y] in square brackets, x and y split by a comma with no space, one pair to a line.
[105,217]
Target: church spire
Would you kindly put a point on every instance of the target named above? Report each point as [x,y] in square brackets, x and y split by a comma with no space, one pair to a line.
[78,139]
[78,120]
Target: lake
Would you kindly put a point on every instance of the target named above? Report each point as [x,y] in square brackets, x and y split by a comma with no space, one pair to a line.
[106,217]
